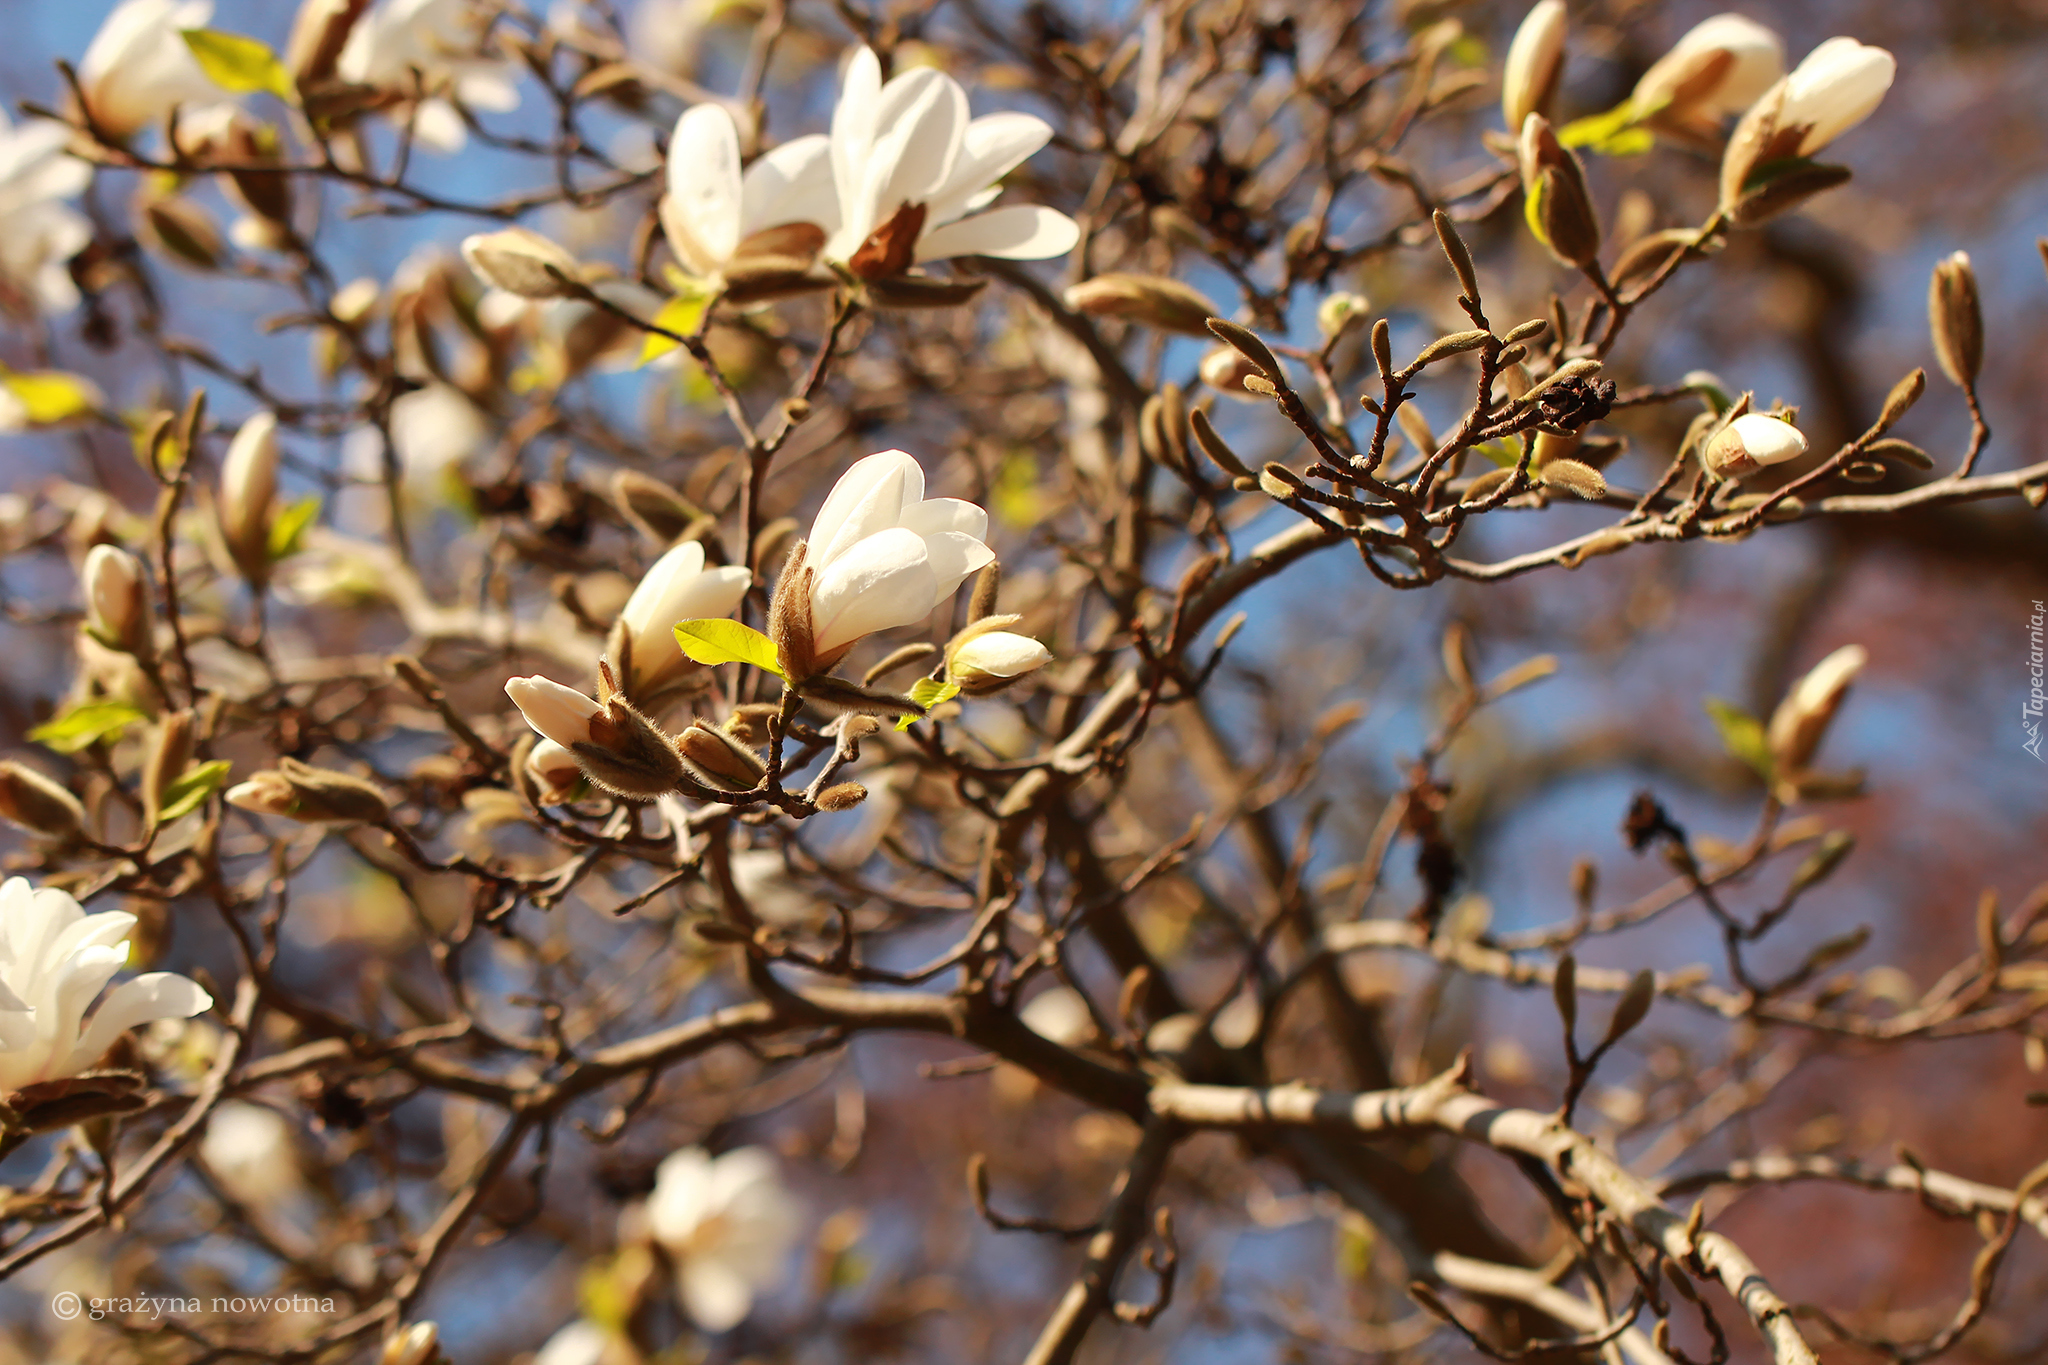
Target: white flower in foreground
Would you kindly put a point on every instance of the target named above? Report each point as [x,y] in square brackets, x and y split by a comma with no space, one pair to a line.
[1751,442]
[38,233]
[403,46]
[729,1223]
[1718,68]
[248,1147]
[1802,718]
[560,713]
[880,555]
[911,171]
[54,960]
[677,588]
[1534,62]
[137,68]
[713,213]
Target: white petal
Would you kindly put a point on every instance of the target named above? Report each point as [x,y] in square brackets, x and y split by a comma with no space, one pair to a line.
[995,145]
[880,583]
[921,122]
[146,999]
[678,1204]
[561,713]
[933,515]
[715,1295]
[792,184]
[437,125]
[953,556]
[871,496]
[702,206]
[680,564]
[1840,84]
[1002,653]
[1020,232]
[853,131]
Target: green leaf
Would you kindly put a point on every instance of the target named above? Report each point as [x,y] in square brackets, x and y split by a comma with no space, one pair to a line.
[50,396]
[1504,454]
[87,723]
[288,528]
[234,61]
[185,794]
[1741,734]
[727,642]
[680,315]
[1532,210]
[928,692]
[1618,132]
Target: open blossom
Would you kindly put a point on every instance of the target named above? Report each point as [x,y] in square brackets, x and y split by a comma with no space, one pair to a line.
[138,68]
[880,555]
[405,45]
[54,961]
[913,172]
[677,588]
[1718,68]
[38,232]
[729,1224]
[716,216]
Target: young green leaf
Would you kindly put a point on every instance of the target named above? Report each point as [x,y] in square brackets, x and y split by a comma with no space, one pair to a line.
[237,62]
[288,528]
[1617,132]
[49,396]
[86,724]
[680,315]
[185,794]
[928,692]
[1741,734]
[725,642]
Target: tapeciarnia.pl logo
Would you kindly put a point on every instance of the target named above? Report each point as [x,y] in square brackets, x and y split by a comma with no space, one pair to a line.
[2030,712]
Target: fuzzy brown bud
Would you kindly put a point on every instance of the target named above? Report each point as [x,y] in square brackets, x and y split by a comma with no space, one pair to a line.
[38,804]
[842,796]
[299,791]
[719,759]
[1151,299]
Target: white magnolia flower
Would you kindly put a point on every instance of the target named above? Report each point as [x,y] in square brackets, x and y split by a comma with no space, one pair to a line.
[910,145]
[1750,442]
[1534,62]
[711,208]
[248,487]
[882,555]
[729,1223]
[39,233]
[1802,717]
[54,961]
[559,712]
[1059,1015]
[678,588]
[555,769]
[248,1147]
[993,659]
[1718,68]
[117,605]
[1839,85]
[404,46]
[138,68]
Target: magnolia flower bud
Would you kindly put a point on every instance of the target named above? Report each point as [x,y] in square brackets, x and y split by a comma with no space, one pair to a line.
[992,660]
[1225,369]
[1558,205]
[1534,63]
[1840,84]
[556,774]
[1956,319]
[299,791]
[1749,443]
[38,804]
[1339,311]
[416,1345]
[117,609]
[720,759]
[1802,718]
[618,748]
[677,588]
[520,261]
[169,756]
[1152,299]
[248,488]
[842,796]
[1718,68]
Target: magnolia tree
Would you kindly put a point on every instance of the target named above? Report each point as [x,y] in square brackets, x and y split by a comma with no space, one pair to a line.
[744,678]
